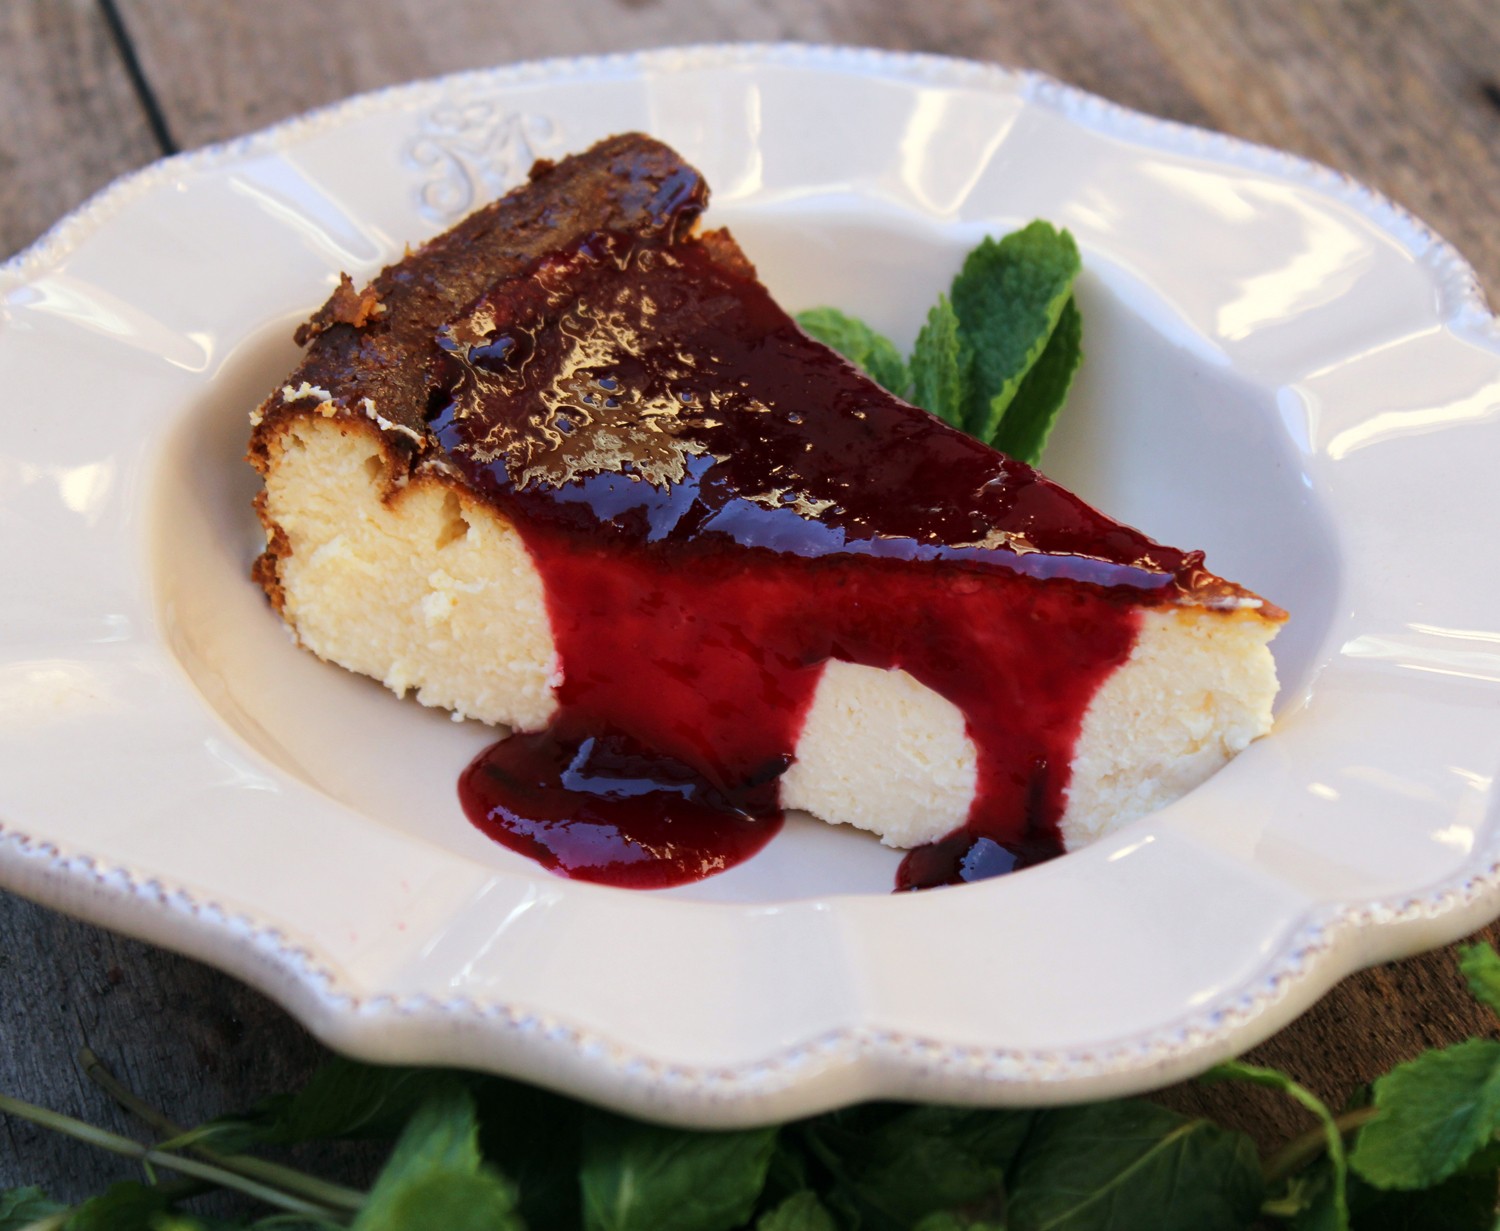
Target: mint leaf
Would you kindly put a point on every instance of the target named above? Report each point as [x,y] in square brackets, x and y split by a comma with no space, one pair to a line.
[957,1222]
[446,1199]
[535,1138]
[1463,1202]
[1133,1165]
[434,1177]
[1481,967]
[642,1177]
[342,1099]
[940,365]
[1331,1211]
[1436,1112]
[799,1212]
[1027,423]
[127,1206]
[20,1207]
[1009,296]
[892,1166]
[867,350]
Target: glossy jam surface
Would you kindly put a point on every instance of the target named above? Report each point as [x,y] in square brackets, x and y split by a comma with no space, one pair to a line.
[719,505]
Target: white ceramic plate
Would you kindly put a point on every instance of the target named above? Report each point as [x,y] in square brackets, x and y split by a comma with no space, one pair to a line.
[1283,368]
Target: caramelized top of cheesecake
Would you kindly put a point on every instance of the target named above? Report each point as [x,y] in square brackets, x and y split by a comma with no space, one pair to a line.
[654,391]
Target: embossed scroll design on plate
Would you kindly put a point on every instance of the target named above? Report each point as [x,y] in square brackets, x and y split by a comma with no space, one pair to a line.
[472,151]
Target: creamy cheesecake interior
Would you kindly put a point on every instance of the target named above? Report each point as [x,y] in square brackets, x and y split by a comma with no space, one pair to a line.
[401,574]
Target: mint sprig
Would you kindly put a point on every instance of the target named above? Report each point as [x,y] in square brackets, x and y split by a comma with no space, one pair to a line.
[997,353]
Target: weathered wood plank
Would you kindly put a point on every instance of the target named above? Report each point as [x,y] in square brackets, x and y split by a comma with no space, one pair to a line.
[69,121]
[220,70]
[188,1039]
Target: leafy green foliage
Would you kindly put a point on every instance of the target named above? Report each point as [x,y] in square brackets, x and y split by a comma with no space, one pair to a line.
[20,1207]
[1462,1203]
[1436,1113]
[122,1207]
[893,1166]
[435,1176]
[343,1099]
[641,1177]
[1127,1165]
[799,1212]
[535,1138]
[948,1221]
[1481,967]
[867,350]
[997,354]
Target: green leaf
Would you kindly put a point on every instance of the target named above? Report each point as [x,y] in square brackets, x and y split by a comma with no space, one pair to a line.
[946,1221]
[642,1177]
[19,1207]
[434,1177]
[1027,423]
[1463,1202]
[1133,1165]
[177,1221]
[446,1199]
[535,1138]
[892,1166]
[1481,967]
[127,1206]
[1009,296]
[1331,1211]
[1436,1112]
[799,1212]
[342,1099]
[940,365]
[867,350]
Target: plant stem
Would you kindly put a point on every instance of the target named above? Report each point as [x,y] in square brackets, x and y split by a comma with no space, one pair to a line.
[117,1144]
[1302,1150]
[286,1178]
[96,1071]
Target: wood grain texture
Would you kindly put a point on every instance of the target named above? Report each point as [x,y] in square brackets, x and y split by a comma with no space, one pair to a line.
[1390,91]
[1399,94]
[69,121]
[222,68]
[187,1038]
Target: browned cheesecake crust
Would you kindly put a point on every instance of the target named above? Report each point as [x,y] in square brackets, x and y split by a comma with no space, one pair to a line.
[370,352]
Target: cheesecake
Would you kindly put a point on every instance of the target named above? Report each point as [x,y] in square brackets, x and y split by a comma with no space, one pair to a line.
[570,470]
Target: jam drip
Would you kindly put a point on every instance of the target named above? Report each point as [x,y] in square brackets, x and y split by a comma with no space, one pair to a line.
[718,505]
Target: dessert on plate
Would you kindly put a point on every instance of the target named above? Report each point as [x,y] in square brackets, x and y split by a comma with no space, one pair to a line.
[570,469]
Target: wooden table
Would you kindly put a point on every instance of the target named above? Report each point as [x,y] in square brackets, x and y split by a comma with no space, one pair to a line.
[1401,94]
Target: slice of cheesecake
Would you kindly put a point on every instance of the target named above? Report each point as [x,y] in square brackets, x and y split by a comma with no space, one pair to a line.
[568,468]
